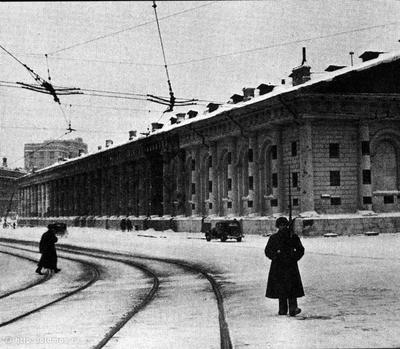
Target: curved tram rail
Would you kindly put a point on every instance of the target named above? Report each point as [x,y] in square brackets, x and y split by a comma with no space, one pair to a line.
[128,259]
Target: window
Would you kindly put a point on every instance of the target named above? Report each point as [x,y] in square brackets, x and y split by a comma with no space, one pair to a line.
[193,206]
[274,202]
[295,202]
[366,174]
[193,188]
[274,153]
[334,178]
[295,179]
[229,204]
[275,180]
[250,204]
[250,155]
[210,205]
[334,150]
[388,199]
[193,164]
[336,201]
[294,148]
[51,154]
[229,183]
[251,183]
[367,200]
[210,161]
[365,148]
[229,158]
[210,186]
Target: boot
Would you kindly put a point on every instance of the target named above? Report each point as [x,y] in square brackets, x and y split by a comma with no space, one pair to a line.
[295,312]
[39,270]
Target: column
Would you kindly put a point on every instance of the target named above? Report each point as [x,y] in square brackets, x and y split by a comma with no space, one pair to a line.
[252,203]
[364,181]
[306,168]
[214,177]
[195,183]
[276,205]
[166,182]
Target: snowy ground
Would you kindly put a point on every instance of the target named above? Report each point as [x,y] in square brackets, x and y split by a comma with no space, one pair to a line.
[351,285]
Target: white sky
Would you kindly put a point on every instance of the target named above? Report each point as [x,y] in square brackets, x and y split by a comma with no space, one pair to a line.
[131,61]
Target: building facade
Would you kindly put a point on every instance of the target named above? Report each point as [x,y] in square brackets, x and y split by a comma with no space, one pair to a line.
[8,189]
[323,147]
[40,155]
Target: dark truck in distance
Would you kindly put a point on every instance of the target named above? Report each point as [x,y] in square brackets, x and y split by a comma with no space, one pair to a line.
[228,229]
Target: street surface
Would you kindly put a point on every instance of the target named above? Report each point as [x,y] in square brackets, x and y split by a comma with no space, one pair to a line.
[142,296]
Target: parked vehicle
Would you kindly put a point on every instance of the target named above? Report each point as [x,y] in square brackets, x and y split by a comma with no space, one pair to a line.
[229,229]
[59,228]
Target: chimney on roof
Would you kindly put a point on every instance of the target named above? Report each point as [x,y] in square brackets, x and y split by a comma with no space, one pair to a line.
[248,93]
[99,147]
[156,126]
[265,88]
[173,120]
[212,106]
[283,82]
[4,162]
[334,67]
[236,99]
[180,117]
[368,55]
[301,74]
[80,152]
[108,142]
[132,135]
[192,114]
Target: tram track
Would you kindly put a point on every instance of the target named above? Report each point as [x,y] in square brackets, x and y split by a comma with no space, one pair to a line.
[29,285]
[139,261]
[94,269]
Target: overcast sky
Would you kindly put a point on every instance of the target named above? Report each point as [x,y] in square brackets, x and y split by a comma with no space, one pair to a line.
[213,50]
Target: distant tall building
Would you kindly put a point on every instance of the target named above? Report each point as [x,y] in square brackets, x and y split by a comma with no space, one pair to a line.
[8,186]
[39,155]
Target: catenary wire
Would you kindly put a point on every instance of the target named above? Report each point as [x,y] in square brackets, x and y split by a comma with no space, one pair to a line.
[286,43]
[127,29]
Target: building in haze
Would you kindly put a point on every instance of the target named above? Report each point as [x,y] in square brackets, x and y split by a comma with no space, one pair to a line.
[8,189]
[40,155]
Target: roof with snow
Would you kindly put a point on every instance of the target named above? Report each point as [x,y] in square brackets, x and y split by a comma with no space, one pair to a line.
[327,77]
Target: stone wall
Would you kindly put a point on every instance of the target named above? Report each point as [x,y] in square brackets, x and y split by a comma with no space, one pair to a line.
[317,226]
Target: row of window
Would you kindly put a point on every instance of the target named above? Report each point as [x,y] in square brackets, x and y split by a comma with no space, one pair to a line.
[334,180]
[334,153]
[334,201]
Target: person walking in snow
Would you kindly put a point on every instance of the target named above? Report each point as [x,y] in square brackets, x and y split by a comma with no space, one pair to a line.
[123,224]
[128,224]
[284,282]
[47,248]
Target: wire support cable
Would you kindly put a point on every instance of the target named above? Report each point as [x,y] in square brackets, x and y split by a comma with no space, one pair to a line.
[128,29]
[172,99]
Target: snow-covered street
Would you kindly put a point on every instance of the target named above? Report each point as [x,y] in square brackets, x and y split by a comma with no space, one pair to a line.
[351,285]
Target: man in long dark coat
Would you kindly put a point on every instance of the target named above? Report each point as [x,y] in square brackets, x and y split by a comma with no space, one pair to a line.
[47,248]
[284,282]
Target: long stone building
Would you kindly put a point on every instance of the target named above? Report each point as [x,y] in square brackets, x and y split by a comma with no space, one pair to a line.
[335,140]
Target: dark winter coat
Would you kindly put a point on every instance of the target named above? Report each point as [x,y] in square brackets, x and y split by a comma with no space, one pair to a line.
[284,279]
[47,248]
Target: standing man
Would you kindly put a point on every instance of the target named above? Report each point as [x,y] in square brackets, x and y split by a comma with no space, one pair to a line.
[284,282]
[47,247]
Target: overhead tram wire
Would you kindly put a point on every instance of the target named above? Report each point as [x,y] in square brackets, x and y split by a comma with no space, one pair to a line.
[44,86]
[127,29]
[112,94]
[282,44]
